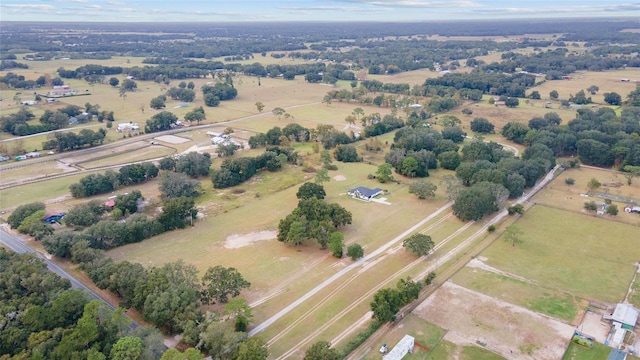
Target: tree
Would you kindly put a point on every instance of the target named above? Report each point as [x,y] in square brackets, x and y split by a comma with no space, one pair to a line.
[128,85]
[327,99]
[593,184]
[384,173]
[175,185]
[259,106]
[482,125]
[255,348]
[211,100]
[591,206]
[631,172]
[321,351]
[612,209]
[309,189]
[569,181]
[114,81]
[515,209]
[535,95]
[453,133]
[221,341]
[22,212]
[194,164]
[336,244]
[347,153]
[358,113]
[409,166]
[476,201]
[553,95]
[160,121]
[593,89]
[196,115]
[613,98]
[385,305]
[176,211]
[322,176]
[355,251]
[513,235]
[418,244]
[220,283]
[512,102]
[157,102]
[127,348]
[449,160]
[423,189]
[278,112]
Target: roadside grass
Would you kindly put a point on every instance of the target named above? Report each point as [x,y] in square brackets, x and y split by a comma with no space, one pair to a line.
[558,253]
[559,195]
[423,331]
[535,297]
[448,350]
[634,297]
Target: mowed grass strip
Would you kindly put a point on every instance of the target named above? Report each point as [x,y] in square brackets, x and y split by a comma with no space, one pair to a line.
[146,153]
[534,297]
[589,257]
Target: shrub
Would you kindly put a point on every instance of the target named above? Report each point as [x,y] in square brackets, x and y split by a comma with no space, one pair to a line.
[569,181]
[491,228]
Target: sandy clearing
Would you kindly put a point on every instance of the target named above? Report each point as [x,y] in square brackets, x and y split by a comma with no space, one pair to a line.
[511,331]
[172,139]
[479,263]
[235,241]
[339,178]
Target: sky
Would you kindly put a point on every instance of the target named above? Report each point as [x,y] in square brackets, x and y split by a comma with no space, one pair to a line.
[308,10]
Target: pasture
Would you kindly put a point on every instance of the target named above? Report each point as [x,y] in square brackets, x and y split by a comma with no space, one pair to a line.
[583,256]
[558,194]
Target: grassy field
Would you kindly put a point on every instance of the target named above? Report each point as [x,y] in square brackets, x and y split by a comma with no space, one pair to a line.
[146,153]
[536,297]
[32,171]
[559,253]
[423,331]
[598,352]
[568,197]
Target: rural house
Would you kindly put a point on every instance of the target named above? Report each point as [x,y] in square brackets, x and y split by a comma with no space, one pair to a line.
[402,348]
[626,315]
[364,193]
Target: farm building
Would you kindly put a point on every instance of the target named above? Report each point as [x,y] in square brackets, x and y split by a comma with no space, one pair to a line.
[626,315]
[364,193]
[402,348]
[51,217]
[33,154]
[29,102]
[616,354]
[225,140]
[127,127]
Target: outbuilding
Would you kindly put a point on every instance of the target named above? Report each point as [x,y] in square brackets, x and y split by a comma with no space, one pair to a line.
[402,348]
[626,315]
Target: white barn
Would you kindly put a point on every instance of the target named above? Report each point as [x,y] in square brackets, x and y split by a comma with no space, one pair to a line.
[402,348]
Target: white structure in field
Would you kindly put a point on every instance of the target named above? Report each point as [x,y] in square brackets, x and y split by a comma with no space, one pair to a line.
[130,126]
[402,348]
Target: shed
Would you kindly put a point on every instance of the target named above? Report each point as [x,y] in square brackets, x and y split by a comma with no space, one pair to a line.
[51,217]
[402,348]
[626,315]
[364,193]
[616,354]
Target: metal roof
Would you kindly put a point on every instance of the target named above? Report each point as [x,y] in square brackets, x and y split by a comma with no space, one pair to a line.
[625,314]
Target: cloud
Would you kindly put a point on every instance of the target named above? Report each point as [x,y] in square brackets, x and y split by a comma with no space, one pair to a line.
[115,3]
[92,7]
[193,12]
[310,9]
[29,6]
[414,3]
[562,9]
[121,10]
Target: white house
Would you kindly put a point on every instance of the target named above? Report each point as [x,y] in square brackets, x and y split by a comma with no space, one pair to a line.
[127,127]
[364,193]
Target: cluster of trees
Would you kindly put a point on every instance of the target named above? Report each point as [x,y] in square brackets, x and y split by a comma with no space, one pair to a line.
[236,171]
[63,141]
[15,81]
[49,320]
[600,137]
[387,302]
[192,164]
[219,92]
[511,85]
[103,183]
[161,121]
[329,136]
[28,219]
[315,219]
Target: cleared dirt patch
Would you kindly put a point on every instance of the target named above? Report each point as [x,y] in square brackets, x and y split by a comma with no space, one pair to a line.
[511,331]
[240,240]
[172,139]
[339,178]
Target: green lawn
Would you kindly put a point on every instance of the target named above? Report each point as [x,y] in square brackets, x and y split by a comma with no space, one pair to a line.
[423,331]
[533,296]
[586,256]
[577,352]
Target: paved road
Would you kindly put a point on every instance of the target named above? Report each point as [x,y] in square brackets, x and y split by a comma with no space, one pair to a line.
[14,243]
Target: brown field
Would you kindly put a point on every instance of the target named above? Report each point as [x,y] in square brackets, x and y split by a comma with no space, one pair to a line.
[607,81]
[508,330]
